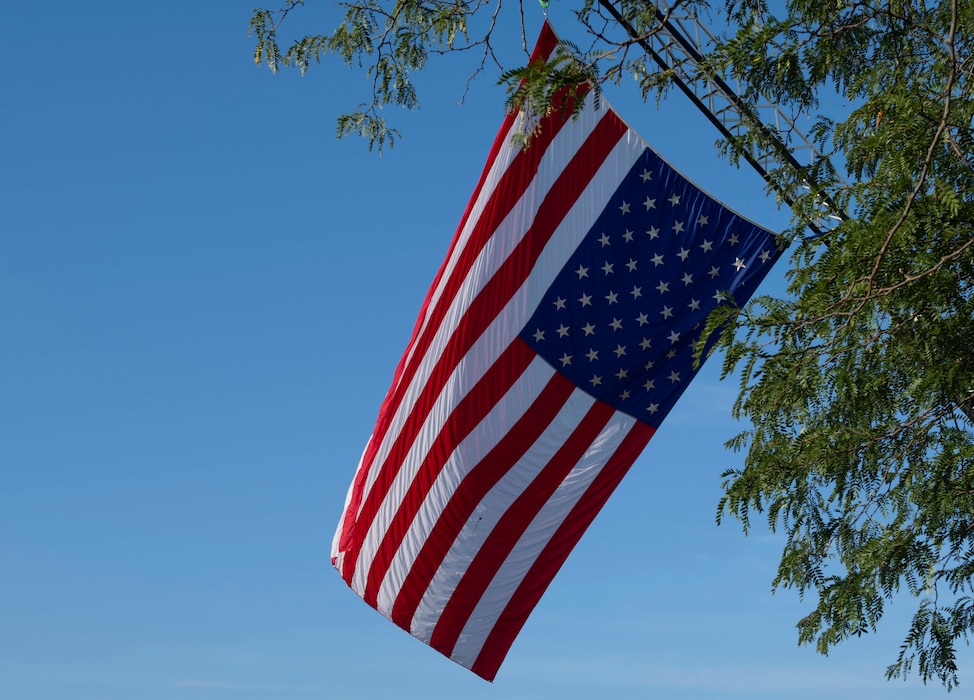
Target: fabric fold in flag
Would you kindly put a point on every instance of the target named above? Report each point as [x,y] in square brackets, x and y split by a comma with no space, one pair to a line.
[557,335]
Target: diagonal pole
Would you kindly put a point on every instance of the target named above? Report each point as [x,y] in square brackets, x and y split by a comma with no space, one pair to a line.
[721,105]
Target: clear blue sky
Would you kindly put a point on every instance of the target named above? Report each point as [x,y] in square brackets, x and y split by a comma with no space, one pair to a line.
[203,296]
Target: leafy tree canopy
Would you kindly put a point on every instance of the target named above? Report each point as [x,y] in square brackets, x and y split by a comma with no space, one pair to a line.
[859,384]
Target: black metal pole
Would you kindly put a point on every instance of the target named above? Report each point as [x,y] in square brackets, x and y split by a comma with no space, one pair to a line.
[783,152]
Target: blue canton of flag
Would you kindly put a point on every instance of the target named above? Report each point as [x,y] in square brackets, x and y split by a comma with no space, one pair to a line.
[624,317]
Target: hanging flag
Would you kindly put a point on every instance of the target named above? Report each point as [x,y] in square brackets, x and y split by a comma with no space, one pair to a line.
[558,333]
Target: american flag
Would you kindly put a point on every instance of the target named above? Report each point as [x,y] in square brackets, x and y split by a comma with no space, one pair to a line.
[558,333]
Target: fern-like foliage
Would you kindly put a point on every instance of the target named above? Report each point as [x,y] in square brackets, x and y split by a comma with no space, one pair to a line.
[858,387]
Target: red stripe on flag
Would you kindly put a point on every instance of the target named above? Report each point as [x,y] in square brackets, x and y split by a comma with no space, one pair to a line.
[482,311]
[471,491]
[468,414]
[511,527]
[545,567]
